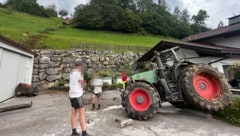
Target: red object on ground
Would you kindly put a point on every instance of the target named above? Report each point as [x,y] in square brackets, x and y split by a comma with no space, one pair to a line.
[207,86]
[124,77]
[139,99]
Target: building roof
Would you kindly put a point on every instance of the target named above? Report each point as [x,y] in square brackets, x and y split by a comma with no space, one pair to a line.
[15,45]
[201,48]
[234,17]
[230,30]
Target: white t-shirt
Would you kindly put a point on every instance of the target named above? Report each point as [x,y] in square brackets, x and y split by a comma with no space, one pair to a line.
[97,83]
[76,89]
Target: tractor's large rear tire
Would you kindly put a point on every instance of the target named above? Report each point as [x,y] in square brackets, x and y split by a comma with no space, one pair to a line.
[140,100]
[204,88]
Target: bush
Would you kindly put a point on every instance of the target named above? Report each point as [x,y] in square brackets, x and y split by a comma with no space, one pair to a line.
[103,73]
[231,114]
[106,86]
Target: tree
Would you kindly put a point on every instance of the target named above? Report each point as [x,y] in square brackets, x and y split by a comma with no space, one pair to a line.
[50,11]
[177,12]
[127,4]
[140,16]
[30,7]
[63,13]
[185,16]
[220,24]
[201,17]
[144,5]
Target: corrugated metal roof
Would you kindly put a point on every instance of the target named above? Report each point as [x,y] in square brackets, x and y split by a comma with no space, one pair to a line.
[226,30]
[206,49]
[15,45]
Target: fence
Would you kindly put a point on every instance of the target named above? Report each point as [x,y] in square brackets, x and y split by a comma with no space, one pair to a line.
[115,48]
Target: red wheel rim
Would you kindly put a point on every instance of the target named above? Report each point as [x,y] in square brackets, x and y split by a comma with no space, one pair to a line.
[207,86]
[139,99]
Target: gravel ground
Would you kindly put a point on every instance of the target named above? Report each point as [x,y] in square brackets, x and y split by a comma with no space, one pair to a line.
[50,116]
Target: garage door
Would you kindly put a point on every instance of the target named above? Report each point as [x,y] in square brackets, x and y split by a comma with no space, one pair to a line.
[24,70]
[8,74]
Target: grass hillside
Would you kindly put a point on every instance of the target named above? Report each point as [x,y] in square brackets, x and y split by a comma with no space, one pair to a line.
[49,33]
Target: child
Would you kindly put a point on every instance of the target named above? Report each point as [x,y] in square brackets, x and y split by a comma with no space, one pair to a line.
[97,83]
[75,94]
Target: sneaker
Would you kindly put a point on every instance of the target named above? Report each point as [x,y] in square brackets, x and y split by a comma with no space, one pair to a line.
[99,107]
[93,107]
[75,134]
[86,134]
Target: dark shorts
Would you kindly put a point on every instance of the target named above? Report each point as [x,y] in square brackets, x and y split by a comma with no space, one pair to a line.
[98,95]
[76,103]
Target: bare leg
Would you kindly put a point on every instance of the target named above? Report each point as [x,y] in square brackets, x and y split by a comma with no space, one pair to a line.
[93,99]
[93,102]
[82,119]
[98,102]
[74,118]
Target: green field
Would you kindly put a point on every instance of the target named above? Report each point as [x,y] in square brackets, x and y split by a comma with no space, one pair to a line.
[51,34]
[19,26]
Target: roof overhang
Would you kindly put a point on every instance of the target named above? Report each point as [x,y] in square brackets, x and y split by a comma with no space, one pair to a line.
[16,45]
[200,48]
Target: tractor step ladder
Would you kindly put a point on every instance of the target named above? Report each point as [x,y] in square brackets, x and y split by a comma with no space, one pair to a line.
[175,93]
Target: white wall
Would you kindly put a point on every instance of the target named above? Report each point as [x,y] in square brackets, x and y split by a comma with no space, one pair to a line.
[229,42]
[230,61]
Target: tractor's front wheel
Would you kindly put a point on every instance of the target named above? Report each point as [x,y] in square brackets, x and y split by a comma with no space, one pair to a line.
[203,87]
[140,100]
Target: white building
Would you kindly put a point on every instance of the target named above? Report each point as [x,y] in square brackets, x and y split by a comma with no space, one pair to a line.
[16,65]
[227,36]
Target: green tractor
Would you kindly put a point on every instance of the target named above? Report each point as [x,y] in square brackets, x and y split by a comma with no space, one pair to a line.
[182,76]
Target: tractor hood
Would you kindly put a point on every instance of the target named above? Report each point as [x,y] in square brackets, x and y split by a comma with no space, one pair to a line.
[205,50]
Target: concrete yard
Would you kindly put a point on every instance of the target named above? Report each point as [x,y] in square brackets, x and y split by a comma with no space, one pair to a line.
[50,116]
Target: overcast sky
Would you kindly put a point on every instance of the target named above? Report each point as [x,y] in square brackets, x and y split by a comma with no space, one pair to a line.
[218,10]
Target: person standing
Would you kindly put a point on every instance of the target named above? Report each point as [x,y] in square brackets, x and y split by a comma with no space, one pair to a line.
[97,83]
[75,93]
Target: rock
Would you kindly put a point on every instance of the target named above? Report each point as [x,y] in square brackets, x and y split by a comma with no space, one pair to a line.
[58,52]
[78,59]
[42,76]
[52,71]
[35,71]
[56,59]
[41,70]
[124,123]
[35,60]
[101,58]
[52,78]
[54,64]
[88,61]
[67,60]
[94,59]
[35,66]
[35,78]
[107,59]
[45,52]
[67,70]
[94,66]
[41,66]
[105,63]
[44,60]
[64,65]
[66,76]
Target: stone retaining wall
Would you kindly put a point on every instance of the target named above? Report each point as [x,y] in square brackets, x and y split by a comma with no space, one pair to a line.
[53,65]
